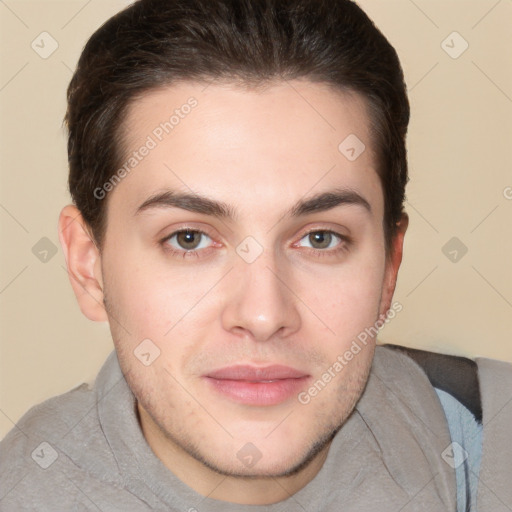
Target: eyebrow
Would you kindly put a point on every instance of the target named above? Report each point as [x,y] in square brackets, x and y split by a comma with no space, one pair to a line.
[320,202]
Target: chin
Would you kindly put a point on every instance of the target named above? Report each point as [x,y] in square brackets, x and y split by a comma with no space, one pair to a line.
[274,460]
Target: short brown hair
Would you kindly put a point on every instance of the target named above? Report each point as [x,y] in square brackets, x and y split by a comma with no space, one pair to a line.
[154,43]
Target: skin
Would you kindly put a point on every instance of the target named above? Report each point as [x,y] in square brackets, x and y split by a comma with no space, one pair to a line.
[300,303]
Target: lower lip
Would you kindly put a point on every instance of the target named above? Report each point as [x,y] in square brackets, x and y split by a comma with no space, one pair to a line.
[259,393]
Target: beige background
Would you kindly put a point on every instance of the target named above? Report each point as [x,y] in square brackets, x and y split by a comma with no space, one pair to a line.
[461,186]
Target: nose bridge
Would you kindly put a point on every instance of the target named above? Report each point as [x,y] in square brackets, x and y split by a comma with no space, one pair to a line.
[261,301]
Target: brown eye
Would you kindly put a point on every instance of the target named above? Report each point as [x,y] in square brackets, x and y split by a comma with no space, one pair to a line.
[320,239]
[188,240]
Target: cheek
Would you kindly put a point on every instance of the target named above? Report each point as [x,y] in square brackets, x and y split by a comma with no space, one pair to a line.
[153,299]
[346,298]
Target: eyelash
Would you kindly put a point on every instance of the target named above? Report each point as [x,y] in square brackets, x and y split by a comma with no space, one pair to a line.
[343,246]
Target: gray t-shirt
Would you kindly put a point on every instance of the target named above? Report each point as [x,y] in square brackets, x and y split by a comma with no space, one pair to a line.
[85,451]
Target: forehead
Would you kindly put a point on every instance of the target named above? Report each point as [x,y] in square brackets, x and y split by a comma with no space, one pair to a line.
[260,148]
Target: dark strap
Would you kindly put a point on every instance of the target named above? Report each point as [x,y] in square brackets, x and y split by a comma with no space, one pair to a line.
[454,374]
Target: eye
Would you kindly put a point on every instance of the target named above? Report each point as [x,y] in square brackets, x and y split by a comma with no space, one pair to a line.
[187,240]
[323,239]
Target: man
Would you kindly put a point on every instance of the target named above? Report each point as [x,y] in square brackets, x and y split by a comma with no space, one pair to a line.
[238,171]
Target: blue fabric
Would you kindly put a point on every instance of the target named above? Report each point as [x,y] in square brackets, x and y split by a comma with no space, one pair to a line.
[465,453]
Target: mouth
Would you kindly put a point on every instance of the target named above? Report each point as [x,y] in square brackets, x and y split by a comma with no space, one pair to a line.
[259,386]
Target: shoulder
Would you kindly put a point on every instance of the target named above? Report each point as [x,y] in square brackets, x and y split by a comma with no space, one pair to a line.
[61,420]
[57,455]
[50,420]
[53,417]
[484,387]
[495,381]
[459,376]
[496,472]
[37,442]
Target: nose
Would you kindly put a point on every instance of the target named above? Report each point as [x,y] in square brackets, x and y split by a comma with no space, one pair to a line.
[260,302]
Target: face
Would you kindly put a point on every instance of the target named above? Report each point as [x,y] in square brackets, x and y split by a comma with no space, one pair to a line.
[244,253]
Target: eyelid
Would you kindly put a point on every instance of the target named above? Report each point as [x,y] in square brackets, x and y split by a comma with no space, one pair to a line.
[344,239]
[177,231]
[185,227]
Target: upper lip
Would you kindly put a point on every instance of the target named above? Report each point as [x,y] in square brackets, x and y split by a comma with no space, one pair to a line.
[255,373]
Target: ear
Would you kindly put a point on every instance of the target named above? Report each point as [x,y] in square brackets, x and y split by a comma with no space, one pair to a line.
[83,262]
[393,262]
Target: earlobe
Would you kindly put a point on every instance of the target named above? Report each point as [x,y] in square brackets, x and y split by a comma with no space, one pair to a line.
[83,262]
[393,265]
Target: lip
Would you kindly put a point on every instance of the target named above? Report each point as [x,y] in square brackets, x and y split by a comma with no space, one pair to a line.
[252,385]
